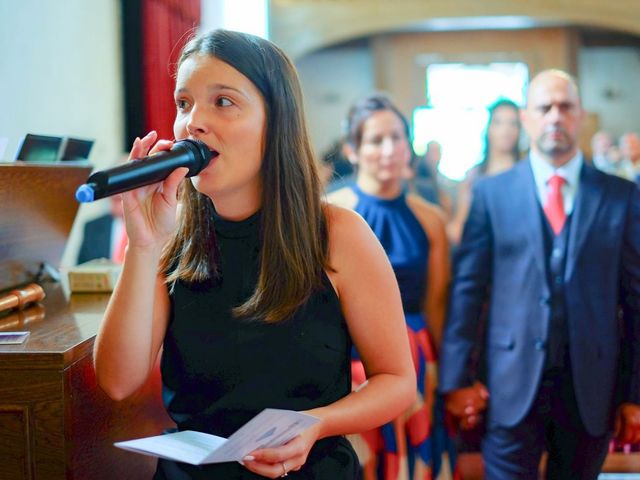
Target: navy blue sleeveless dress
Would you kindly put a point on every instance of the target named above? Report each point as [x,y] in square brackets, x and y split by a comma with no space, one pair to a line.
[427,441]
[219,371]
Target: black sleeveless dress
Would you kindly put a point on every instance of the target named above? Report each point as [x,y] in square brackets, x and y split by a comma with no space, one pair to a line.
[219,371]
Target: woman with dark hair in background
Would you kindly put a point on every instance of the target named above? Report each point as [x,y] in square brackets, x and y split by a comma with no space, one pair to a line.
[253,290]
[501,152]
[412,232]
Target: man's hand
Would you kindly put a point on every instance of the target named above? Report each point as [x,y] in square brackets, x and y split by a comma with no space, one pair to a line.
[467,404]
[627,424]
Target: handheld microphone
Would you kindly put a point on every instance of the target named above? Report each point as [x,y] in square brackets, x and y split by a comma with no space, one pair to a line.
[192,154]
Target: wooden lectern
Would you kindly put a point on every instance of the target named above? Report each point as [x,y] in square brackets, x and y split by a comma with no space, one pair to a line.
[55,422]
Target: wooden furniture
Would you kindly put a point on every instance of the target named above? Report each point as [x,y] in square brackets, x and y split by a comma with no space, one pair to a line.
[38,210]
[55,421]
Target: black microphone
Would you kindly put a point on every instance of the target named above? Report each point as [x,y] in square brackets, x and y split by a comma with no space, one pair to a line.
[192,154]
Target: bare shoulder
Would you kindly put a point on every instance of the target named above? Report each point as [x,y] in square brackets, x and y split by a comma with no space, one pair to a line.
[352,243]
[343,222]
[344,197]
[354,253]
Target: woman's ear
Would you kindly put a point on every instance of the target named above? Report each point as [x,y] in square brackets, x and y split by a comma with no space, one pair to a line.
[349,153]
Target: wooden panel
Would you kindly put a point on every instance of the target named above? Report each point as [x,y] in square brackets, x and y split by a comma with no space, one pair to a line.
[38,211]
[48,433]
[622,463]
[94,422]
[39,394]
[590,127]
[15,443]
[59,424]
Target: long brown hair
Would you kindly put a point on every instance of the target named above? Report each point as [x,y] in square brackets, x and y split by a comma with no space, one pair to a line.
[293,234]
[500,103]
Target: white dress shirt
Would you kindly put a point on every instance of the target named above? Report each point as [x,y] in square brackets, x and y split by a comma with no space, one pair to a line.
[570,171]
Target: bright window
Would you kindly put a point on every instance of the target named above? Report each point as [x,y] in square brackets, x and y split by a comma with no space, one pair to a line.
[456,113]
[249,16]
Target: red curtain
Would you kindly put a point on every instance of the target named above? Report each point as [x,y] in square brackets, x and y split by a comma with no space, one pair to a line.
[167,25]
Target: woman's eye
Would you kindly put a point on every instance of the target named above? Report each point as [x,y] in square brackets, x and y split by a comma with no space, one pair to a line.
[223,102]
[181,104]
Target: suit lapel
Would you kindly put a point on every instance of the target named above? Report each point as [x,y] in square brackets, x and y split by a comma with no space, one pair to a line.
[590,192]
[527,184]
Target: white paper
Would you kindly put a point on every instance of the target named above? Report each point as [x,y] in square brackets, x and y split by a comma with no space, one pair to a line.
[270,428]
[8,338]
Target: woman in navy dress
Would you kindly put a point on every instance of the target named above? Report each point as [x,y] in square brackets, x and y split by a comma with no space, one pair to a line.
[252,289]
[412,232]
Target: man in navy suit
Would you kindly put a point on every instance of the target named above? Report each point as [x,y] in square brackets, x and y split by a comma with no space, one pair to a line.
[552,247]
[102,236]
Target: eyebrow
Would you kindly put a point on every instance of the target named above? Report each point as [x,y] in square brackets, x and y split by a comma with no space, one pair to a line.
[217,87]
[561,104]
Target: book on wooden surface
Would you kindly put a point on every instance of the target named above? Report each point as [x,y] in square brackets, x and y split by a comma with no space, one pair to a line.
[270,428]
[98,275]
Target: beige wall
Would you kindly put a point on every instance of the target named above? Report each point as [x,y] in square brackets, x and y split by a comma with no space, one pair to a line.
[60,74]
[300,26]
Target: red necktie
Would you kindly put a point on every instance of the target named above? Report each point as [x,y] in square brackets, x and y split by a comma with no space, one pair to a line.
[554,207]
[120,246]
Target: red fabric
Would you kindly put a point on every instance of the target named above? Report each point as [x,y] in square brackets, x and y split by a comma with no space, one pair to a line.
[419,427]
[374,441]
[554,206]
[167,25]
[391,465]
[424,341]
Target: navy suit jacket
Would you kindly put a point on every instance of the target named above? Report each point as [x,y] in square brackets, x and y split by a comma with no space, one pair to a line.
[96,240]
[501,260]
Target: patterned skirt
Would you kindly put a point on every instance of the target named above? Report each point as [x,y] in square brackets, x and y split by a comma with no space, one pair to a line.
[420,444]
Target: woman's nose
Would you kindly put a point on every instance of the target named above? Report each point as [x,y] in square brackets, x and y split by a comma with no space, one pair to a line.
[198,123]
[387,146]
